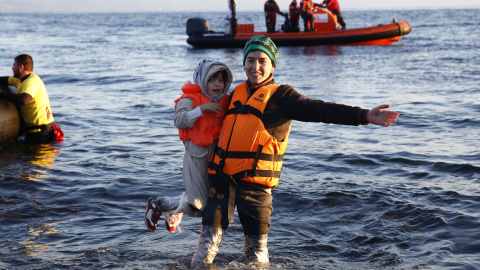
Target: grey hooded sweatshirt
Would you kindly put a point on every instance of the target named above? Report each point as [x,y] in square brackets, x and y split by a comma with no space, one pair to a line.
[196,157]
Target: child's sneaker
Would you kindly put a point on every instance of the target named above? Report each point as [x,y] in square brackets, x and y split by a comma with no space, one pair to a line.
[172,221]
[152,214]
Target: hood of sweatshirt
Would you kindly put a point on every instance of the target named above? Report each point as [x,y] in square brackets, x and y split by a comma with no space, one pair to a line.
[205,70]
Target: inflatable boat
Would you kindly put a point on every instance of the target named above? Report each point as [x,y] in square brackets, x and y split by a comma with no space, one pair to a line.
[327,33]
[9,120]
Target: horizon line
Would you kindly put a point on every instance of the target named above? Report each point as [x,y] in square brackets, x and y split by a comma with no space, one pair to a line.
[238,11]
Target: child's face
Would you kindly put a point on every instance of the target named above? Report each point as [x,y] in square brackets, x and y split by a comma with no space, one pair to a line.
[215,86]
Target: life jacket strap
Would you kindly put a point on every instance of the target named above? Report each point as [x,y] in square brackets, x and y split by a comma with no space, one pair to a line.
[246,155]
[245,109]
[259,173]
[255,159]
[243,174]
[231,201]
[258,155]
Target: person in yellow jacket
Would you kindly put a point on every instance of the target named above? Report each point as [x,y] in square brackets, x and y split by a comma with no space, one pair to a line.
[247,161]
[199,115]
[33,101]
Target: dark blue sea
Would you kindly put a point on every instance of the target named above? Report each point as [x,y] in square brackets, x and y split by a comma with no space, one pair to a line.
[368,197]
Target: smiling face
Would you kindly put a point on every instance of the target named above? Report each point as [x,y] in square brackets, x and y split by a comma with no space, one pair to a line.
[258,67]
[215,85]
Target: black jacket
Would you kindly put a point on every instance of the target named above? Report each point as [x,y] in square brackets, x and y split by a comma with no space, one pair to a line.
[286,104]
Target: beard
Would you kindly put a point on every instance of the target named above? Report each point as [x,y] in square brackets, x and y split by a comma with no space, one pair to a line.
[16,74]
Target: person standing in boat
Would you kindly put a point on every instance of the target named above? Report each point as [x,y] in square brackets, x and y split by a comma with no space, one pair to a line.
[271,9]
[231,20]
[334,7]
[294,12]
[33,101]
[246,163]
[306,7]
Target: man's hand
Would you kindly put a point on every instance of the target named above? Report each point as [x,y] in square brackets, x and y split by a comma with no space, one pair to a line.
[382,117]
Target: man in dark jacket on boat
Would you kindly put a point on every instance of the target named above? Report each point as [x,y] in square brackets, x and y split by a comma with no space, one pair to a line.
[271,10]
[247,160]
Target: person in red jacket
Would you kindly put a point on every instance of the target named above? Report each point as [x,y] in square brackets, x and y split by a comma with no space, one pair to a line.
[294,12]
[271,10]
[334,7]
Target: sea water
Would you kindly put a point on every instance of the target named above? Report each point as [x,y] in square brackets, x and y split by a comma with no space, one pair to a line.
[367,197]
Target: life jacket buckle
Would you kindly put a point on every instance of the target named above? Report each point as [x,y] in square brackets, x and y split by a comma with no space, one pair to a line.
[232,180]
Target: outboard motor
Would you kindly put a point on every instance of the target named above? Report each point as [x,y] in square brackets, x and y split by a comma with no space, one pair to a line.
[197,26]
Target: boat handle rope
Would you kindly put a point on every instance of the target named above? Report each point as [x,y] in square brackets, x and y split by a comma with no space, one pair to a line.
[400,28]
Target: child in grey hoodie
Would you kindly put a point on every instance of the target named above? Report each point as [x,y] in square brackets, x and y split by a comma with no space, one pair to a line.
[199,115]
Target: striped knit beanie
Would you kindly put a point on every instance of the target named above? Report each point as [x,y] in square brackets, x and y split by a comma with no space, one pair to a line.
[264,44]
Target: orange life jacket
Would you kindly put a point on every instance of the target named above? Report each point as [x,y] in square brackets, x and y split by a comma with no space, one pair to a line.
[207,127]
[306,6]
[245,150]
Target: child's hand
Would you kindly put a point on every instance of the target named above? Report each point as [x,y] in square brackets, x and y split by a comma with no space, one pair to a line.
[211,107]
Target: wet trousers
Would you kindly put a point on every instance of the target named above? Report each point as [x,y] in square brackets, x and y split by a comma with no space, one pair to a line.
[253,201]
[44,136]
[254,207]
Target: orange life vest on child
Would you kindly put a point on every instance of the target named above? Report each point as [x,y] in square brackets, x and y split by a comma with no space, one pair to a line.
[207,127]
[245,150]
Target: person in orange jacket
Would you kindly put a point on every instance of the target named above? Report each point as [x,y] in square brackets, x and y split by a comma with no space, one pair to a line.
[334,7]
[307,15]
[247,161]
[271,9]
[294,12]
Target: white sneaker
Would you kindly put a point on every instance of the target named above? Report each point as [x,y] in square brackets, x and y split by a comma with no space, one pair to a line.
[172,220]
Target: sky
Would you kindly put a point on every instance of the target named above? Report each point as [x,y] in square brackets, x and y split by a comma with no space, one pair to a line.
[209,5]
